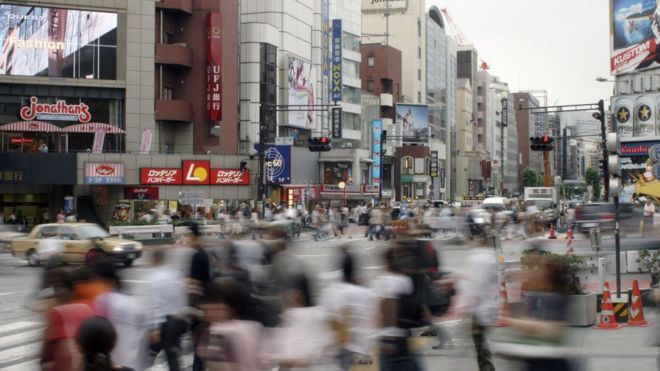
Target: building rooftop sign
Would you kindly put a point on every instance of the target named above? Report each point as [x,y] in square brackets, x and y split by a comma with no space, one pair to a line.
[383,6]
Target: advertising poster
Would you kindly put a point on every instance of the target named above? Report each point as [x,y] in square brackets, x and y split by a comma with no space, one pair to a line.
[623,112]
[104,173]
[635,28]
[99,139]
[376,149]
[278,164]
[336,122]
[336,60]
[413,119]
[214,67]
[644,116]
[145,141]
[54,42]
[326,59]
[301,78]
[382,6]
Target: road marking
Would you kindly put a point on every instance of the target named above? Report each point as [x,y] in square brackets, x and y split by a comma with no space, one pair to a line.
[135,281]
[7,293]
[375,267]
[20,325]
[21,338]
[23,352]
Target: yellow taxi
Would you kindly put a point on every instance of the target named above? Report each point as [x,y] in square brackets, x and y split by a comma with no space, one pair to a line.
[74,242]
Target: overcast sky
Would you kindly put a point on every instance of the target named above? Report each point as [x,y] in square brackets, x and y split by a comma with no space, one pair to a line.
[556,45]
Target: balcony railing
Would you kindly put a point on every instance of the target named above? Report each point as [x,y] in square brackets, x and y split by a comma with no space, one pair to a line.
[174,54]
[174,110]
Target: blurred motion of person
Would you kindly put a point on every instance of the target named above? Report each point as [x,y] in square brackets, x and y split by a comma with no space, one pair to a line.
[126,314]
[166,298]
[59,351]
[13,220]
[199,277]
[232,339]
[304,338]
[544,320]
[60,216]
[392,288]
[480,293]
[649,212]
[96,339]
[351,308]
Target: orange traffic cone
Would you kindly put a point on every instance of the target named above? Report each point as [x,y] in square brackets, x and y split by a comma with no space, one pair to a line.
[504,304]
[636,308]
[607,320]
[552,232]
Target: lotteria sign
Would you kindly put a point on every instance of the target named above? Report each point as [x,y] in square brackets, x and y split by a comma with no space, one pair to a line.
[59,111]
[194,172]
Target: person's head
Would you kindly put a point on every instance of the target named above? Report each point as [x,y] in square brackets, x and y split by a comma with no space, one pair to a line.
[300,293]
[96,338]
[393,257]
[226,300]
[194,233]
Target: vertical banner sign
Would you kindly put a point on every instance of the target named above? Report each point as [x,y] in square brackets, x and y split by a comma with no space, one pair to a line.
[145,142]
[376,130]
[336,60]
[326,61]
[99,138]
[336,122]
[214,67]
[434,164]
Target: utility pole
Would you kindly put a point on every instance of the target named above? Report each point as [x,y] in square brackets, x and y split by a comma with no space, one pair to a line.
[600,115]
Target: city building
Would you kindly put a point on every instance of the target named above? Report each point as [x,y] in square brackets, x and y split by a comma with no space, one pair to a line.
[111,109]
[468,162]
[503,140]
[380,72]
[529,124]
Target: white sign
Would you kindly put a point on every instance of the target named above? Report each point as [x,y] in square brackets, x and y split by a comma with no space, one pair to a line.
[192,197]
[381,6]
[284,141]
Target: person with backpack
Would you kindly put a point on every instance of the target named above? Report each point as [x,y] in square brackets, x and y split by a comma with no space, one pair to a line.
[399,310]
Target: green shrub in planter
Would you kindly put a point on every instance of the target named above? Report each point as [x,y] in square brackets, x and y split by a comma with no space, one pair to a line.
[531,259]
[650,262]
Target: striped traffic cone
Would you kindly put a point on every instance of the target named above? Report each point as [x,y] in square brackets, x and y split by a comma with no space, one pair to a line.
[636,308]
[607,320]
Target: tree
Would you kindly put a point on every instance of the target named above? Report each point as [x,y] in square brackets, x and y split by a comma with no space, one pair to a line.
[592,178]
[531,178]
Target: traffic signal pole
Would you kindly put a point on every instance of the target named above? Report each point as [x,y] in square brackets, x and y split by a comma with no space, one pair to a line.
[546,168]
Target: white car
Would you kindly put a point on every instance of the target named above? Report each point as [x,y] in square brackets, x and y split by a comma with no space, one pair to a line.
[8,233]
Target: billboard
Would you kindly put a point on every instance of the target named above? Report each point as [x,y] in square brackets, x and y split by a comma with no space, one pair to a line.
[104,173]
[54,42]
[637,115]
[413,121]
[376,150]
[383,6]
[278,164]
[336,59]
[214,67]
[301,79]
[635,30]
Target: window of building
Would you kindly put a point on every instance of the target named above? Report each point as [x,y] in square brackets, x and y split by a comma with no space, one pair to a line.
[419,74]
[407,166]
[419,52]
[168,38]
[419,97]
[371,60]
[350,121]
[370,86]
[420,189]
[420,166]
[168,93]
[351,68]
[406,191]
[419,27]
[386,86]
[351,42]
[351,95]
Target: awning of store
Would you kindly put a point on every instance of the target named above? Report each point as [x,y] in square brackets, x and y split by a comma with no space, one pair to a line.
[32,126]
[91,127]
[367,160]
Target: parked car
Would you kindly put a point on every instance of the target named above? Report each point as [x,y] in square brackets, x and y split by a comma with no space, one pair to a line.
[78,242]
[495,203]
[8,232]
[601,215]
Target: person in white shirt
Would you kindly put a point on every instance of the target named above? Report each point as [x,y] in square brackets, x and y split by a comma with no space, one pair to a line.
[350,308]
[479,292]
[649,212]
[390,287]
[166,301]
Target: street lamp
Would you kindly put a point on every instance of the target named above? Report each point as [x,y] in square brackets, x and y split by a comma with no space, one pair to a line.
[342,186]
[603,79]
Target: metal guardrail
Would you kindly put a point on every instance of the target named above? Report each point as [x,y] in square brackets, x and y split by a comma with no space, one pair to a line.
[160,229]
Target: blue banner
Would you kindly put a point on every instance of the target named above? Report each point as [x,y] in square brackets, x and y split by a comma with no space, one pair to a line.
[376,148]
[278,164]
[336,60]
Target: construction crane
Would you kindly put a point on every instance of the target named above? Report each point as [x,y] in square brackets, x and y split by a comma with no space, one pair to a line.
[453,28]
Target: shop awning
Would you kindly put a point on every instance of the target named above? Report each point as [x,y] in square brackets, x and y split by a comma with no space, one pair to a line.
[31,126]
[91,127]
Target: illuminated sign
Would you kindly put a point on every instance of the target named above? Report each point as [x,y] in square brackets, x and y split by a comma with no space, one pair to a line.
[59,111]
[214,67]
[376,148]
[160,176]
[104,173]
[194,172]
[230,177]
[336,59]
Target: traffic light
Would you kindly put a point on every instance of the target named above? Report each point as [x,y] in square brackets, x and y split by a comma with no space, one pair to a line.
[319,144]
[541,144]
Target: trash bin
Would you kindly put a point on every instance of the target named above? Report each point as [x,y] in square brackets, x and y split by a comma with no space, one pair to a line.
[595,238]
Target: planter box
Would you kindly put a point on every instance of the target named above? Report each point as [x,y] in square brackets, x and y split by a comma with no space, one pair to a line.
[582,310]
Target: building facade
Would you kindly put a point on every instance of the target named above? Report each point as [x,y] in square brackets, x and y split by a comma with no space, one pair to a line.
[529,125]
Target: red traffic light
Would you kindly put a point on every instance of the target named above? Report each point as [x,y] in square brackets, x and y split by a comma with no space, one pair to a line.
[324,140]
[546,139]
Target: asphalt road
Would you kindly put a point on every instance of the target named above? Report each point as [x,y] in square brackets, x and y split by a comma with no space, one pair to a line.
[21,328]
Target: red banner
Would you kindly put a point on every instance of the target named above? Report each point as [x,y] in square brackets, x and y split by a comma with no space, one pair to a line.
[141,193]
[230,177]
[196,172]
[214,67]
[160,176]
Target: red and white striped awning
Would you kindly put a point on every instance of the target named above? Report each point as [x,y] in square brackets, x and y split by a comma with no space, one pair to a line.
[92,127]
[32,126]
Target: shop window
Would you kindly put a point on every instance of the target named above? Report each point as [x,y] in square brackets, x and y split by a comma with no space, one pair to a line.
[420,190]
[407,191]
[407,166]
